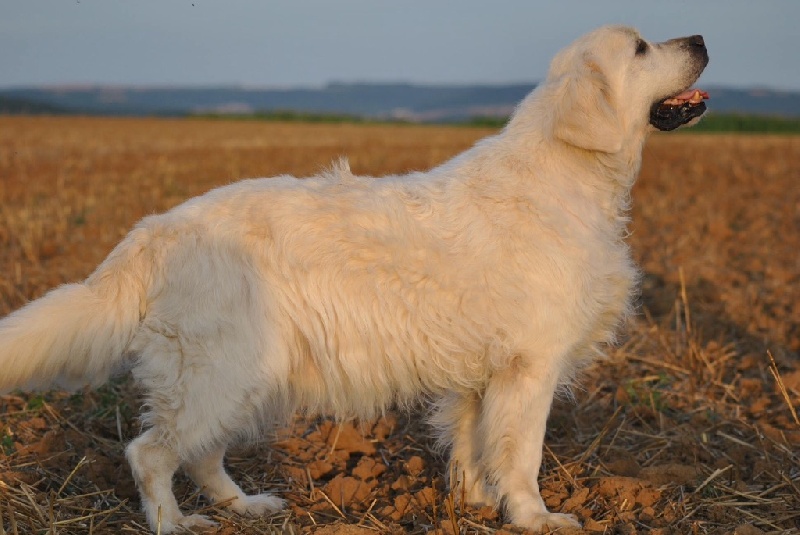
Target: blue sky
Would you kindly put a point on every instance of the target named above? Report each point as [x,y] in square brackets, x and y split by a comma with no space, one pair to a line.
[312,42]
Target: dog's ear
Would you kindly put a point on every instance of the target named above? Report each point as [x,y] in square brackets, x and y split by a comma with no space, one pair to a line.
[585,114]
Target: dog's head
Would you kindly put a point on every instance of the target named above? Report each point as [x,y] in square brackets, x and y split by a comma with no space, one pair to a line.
[610,84]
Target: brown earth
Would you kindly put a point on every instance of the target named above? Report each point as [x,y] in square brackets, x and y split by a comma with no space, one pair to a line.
[683,429]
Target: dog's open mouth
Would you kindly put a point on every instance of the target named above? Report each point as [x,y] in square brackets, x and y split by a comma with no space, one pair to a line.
[675,111]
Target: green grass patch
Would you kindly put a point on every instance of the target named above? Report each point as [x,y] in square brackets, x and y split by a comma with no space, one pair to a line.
[649,391]
[35,403]
[7,444]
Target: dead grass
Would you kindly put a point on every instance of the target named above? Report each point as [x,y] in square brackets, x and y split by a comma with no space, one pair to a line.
[689,426]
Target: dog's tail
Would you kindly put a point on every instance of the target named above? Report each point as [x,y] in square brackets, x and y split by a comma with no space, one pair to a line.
[77,333]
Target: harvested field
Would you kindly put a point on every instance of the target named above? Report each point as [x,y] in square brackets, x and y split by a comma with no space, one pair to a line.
[689,426]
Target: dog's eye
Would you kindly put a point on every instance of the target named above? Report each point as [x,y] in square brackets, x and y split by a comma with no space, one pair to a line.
[641,47]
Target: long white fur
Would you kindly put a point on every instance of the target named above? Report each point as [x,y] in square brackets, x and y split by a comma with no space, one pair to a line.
[481,284]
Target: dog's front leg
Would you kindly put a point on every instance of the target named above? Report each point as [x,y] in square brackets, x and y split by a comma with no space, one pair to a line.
[513,417]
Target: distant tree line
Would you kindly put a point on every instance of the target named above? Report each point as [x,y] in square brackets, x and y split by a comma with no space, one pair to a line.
[714,122]
[288,116]
[731,122]
[18,106]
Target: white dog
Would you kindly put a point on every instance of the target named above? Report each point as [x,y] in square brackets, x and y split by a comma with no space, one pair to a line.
[482,284]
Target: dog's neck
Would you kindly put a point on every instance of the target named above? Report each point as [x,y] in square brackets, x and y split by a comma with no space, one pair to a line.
[532,127]
[510,165]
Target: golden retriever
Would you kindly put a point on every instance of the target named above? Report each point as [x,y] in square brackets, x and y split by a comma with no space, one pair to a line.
[481,284]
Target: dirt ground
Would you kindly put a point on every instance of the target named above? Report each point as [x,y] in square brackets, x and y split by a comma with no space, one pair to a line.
[689,425]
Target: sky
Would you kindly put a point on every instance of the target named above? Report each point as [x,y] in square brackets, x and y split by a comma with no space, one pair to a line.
[286,43]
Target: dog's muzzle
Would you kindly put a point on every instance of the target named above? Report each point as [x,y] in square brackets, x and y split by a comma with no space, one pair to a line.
[675,111]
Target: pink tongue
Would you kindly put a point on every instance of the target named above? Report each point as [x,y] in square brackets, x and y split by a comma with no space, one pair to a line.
[689,93]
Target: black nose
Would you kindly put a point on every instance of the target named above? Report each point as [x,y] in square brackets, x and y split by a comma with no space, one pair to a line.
[696,40]
[696,46]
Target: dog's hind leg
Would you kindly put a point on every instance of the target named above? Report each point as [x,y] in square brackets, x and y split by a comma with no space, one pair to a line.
[457,419]
[153,463]
[208,472]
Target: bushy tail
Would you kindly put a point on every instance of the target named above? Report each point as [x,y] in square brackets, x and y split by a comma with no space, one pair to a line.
[77,333]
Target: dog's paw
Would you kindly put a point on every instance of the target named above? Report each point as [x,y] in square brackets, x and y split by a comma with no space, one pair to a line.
[477,496]
[542,521]
[258,505]
[193,524]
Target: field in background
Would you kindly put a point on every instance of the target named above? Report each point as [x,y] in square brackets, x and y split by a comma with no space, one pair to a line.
[687,427]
